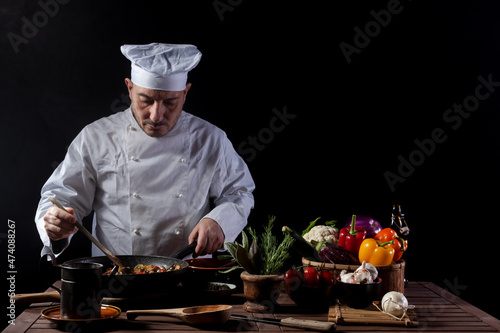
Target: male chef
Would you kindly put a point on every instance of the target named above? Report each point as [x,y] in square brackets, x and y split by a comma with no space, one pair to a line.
[157,178]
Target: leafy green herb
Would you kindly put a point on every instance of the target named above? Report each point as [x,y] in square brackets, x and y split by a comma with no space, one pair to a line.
[313,224]
[310,226]
[264,255]
[331,223]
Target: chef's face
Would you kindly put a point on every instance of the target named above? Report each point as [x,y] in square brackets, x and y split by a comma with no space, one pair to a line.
[156,111]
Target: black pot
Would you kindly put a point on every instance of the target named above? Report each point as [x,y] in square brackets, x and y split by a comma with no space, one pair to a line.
[80,284]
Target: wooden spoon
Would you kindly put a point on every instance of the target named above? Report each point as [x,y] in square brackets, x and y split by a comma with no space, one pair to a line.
[196,315]
[101,247]
[48,296]
[219,314]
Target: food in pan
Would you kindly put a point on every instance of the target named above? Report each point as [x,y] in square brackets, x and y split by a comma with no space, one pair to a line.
[143,269]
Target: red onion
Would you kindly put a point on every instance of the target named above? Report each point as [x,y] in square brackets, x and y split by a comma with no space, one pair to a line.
[371,226]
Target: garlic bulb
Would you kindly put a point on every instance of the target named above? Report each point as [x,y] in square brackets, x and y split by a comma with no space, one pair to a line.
[366,273]
[395,303]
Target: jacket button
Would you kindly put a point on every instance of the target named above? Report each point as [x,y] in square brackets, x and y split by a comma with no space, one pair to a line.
[137,232]
[135,195]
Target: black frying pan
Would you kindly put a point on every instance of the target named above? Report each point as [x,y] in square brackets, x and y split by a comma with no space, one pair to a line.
[137,285]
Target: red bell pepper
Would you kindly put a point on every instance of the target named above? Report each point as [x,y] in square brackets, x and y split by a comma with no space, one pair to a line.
[350,238]
[400,245]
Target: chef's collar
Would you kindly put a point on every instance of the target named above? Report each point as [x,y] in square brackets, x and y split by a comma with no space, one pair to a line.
[161,66]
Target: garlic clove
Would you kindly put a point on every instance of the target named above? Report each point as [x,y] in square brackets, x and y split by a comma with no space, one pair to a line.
[347,277]
[366,273]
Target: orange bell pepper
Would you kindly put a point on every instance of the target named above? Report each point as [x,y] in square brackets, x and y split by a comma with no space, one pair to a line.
[376,252]
[400,245]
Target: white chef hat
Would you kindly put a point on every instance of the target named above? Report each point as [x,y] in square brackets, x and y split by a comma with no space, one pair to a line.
[161,66]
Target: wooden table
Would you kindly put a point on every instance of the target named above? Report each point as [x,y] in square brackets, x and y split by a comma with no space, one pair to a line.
[436,308]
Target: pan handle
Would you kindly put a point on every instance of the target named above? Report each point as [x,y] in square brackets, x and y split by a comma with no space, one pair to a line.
[186,251]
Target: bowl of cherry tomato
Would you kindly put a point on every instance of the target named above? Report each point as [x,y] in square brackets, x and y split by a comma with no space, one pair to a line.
[309,287]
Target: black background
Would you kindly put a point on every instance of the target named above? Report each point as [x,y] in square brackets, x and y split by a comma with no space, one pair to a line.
[351,121]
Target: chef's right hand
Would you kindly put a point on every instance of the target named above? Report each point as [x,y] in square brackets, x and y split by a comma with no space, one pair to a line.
[59,224]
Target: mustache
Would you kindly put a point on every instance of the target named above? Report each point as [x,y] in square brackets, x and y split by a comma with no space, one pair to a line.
[155,124]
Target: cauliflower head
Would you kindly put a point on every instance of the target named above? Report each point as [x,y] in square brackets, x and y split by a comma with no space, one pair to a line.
[322,233]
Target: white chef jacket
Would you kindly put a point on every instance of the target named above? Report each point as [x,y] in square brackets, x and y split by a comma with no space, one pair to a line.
[148,193]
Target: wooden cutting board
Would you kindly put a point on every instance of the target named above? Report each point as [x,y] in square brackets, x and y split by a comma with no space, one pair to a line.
[342,314]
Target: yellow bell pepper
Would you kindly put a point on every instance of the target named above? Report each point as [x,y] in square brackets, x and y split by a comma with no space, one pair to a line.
[376,252]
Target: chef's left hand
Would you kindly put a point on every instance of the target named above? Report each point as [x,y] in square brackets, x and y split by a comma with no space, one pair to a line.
[210,237]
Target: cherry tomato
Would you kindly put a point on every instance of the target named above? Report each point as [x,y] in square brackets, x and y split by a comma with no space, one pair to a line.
[293,278]
[326,278]
[311,276]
